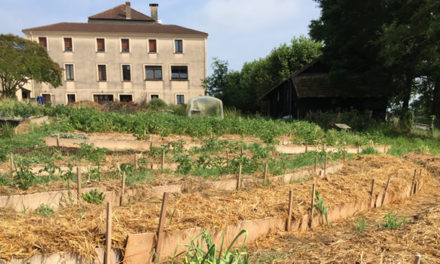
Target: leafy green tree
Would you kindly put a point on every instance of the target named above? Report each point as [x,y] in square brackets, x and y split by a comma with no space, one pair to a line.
[243,89]
[22,60]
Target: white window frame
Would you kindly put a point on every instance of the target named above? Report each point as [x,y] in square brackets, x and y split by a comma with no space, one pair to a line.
[174,46]
[65,72]
[64,44]
[67,98]
[105,45]
[106,72]
[122,72]
[129,46]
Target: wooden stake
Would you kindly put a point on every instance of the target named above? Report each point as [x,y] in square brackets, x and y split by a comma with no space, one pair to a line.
[136,165]
[78,185]
[108,235]
[122,189]
[151,145]
[241,151]
[289,213]
[316,164]
[325,164]
[162,163]
[163,212]
[58,141]
[239,177]
[386,190]
[417,259]
[307,148]
[372,192]
[345,156]
[359,149]
[313,206]
[11,162]
[265,173]
[420,174]
[413,182]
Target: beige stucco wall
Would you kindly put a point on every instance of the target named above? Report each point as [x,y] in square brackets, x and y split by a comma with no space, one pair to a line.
[85,59]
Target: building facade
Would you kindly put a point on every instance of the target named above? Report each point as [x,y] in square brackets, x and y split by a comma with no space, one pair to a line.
[123,55]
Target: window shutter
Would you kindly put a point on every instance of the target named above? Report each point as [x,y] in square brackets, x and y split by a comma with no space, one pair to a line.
[152,44]
[100,44]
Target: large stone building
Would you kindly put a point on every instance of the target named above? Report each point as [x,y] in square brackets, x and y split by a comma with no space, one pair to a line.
[122,55]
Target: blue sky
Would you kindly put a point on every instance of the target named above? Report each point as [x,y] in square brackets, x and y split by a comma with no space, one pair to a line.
[239,30]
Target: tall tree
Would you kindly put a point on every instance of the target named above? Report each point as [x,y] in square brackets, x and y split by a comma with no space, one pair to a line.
[22,60]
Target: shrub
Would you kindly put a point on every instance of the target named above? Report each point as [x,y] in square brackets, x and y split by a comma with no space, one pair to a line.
[7,131]
[94,197]
[156,105]
[406,121]
[45,209]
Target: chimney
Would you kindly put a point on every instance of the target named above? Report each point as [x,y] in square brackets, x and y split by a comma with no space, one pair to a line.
[127,10]
[153,8]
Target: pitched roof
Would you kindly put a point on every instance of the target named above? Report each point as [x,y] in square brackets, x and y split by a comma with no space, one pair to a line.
[117,28]
[118,13]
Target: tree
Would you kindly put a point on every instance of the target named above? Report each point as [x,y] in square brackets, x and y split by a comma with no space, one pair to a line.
[22,60]
[243,89]
[349,30]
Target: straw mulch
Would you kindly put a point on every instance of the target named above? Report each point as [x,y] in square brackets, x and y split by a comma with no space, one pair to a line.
[343,243]
[81,229]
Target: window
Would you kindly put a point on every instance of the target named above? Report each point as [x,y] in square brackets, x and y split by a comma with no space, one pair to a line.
[153,72]
[125,98]
[125,45]
[180,99]
[179,72]
[69,72]
[100,45]
[71,98]
[67,44]
[43,42]
[126,73]
[103,98]
[178,46]
[46,98]
[154,96]
[102,73]
[152,48]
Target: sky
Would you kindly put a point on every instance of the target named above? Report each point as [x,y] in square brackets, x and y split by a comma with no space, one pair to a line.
[239,30]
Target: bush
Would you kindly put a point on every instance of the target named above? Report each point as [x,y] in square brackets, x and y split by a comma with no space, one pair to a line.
[7,131]
[155,105]
[45,209]
[94,197]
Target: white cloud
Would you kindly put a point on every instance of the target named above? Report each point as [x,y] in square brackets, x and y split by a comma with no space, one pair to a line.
[249,15]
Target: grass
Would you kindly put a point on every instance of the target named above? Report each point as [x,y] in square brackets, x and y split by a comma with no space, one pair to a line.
[393,221]
[361,224]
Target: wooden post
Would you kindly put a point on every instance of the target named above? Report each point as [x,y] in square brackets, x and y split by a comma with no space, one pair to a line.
[11,162]
[386,190]
[162,163]
[325,164]
[316,164]
[359,149]
[122,189]
[289,212]
[372,193]
[136,165]
[58,140]
[78,185]
[108,235]
[307,148]
[151,145]
[163,212]
[239,177]
[417,259]
[413,182]
[313,206]
[345,156]
[265,173]
[420,174]
[241,151]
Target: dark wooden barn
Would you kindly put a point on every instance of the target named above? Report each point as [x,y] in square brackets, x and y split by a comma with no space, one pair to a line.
[309,90]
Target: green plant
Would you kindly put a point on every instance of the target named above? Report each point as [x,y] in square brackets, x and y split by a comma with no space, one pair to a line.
[432,125]
[7,131]
[361,224]
[393,221]
[94,197]
[45,209]
[24,177]
[203,250]
[322,209]
[370,151]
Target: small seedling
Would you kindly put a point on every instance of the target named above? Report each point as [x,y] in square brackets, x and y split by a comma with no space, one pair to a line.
[361,224]
[321,207]
[393,221]
[94,197]
[45,209]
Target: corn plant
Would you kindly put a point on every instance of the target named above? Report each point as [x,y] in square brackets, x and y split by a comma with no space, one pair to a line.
[203,250]
[322,209]
[361,224]
[392,221]
[45,209]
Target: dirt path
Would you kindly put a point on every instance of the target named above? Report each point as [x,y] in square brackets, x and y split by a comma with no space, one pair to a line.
[343,242]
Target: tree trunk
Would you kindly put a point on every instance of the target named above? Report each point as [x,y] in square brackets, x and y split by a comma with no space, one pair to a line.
[406,95]
[436,101]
